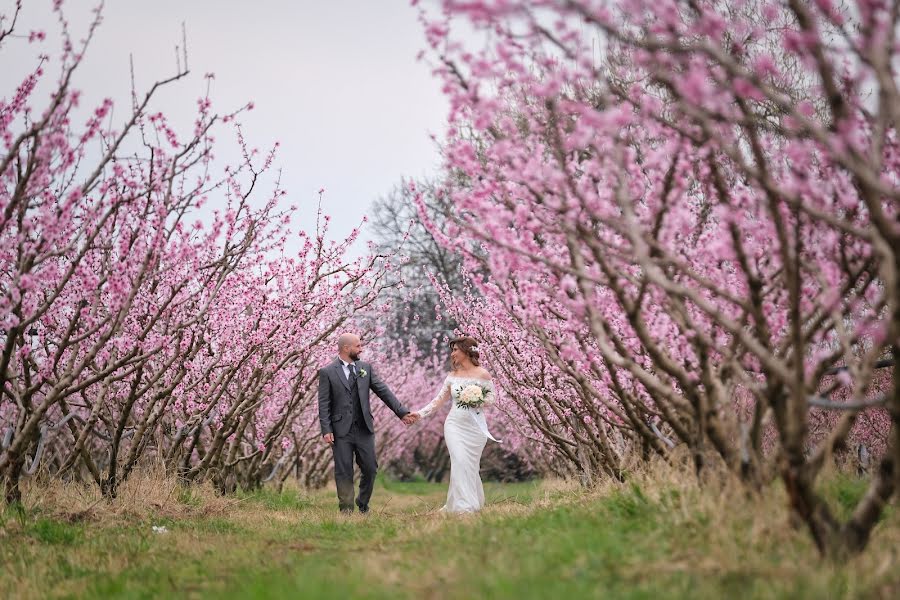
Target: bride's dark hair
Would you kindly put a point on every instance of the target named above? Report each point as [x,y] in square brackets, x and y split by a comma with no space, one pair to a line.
[467,345]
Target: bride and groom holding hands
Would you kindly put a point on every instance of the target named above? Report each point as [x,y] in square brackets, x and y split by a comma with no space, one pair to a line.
[345,417]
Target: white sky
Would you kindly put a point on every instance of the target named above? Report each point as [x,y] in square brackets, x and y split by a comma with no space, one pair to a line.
[335,81]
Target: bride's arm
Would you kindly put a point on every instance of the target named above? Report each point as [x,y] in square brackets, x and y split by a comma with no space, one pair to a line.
[442,397]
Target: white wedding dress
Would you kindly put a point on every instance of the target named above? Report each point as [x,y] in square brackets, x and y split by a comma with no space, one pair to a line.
[466,433]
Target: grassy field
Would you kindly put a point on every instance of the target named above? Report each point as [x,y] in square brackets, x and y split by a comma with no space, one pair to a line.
[652,537]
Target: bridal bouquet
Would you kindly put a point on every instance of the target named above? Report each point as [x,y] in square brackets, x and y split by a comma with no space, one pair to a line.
[471,396]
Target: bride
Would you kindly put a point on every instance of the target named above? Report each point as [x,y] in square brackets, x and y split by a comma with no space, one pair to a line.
[465,430]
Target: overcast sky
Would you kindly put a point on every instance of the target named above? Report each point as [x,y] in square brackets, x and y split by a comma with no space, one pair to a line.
[336,82]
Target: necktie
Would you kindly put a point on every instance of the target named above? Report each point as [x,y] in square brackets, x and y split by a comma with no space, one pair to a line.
[352,377]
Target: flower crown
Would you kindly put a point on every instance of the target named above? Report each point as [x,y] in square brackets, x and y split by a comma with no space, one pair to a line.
[474,349]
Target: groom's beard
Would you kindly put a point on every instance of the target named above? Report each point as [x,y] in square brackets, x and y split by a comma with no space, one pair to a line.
[354,356]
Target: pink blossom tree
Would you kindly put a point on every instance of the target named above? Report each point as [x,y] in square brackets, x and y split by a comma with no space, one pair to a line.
[688,204]
[138,329]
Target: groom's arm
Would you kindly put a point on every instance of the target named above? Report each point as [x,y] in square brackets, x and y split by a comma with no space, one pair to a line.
[324,403]
[387,396]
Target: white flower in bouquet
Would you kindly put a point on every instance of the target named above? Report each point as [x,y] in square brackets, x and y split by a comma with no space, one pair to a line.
[471,396]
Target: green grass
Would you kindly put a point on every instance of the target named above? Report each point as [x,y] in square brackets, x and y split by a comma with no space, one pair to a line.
[275,500]
[645,539]
[846,491]
[54,533]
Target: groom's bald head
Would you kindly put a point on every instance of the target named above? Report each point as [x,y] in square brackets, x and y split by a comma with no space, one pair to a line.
[349,346]
[347,339]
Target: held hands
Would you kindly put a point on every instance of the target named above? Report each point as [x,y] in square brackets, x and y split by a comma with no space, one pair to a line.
[408,419]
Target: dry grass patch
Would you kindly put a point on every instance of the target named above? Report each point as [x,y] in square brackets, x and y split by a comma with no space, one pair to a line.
[146,494]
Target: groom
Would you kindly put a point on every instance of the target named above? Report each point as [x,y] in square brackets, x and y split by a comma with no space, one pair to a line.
[346,419]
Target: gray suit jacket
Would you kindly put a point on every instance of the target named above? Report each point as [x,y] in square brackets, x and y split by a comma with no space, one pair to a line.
[335,399]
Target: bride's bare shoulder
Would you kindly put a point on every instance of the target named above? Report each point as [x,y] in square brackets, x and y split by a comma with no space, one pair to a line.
[477,373]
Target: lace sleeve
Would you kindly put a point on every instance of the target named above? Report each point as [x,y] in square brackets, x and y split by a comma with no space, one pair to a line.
[442,397]
[489,396]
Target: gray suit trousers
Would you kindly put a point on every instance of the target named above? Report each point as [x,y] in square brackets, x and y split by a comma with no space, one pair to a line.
[359,443]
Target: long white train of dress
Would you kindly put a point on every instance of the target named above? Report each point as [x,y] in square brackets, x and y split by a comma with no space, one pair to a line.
[466,433]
